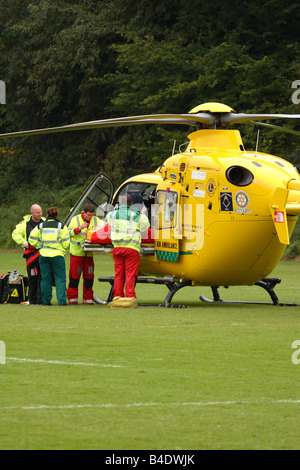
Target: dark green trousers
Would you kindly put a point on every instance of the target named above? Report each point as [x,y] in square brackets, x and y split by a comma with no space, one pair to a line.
[58,266]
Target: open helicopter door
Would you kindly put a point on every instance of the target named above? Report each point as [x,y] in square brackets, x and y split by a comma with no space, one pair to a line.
[99,193]
[168,222]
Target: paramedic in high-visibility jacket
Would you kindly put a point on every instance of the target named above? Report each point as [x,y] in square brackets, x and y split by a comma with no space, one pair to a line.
[127,225]
[20,236]
[81,262]
[51,237]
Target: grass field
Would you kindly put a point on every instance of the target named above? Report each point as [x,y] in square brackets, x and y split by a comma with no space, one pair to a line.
[205,377]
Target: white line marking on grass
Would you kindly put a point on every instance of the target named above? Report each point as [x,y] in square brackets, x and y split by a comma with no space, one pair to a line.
[43,328]
[64,363]
[153,404]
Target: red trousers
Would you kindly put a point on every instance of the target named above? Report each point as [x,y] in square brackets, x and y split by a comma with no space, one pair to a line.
[126,270]
[78,265]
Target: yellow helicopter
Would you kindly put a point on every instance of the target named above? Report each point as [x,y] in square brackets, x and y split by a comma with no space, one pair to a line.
[220,215]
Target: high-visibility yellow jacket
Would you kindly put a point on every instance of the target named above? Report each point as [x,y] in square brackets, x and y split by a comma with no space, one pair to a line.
[78,237]
[19,235]
[126,226]
[51,238]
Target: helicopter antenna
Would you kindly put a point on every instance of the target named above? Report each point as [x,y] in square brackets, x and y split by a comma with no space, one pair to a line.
[174,145]
[257,140]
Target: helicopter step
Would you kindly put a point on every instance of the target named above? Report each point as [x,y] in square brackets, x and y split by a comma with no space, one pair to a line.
[268,284]
[166,280]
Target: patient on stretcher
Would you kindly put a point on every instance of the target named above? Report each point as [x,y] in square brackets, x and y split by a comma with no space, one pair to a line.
[101,236]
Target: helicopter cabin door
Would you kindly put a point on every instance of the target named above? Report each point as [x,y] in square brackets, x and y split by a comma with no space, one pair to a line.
[99,193]
[168,225]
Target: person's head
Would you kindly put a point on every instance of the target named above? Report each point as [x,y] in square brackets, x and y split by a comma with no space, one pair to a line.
[52,212]
[89,211]
[125,200]
[36,212]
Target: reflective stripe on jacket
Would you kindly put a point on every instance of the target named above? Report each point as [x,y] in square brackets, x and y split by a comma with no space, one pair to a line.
[126,227]
[51,238]
[77,240]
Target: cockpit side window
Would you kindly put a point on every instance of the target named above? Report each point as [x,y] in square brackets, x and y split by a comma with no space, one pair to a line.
[166,209]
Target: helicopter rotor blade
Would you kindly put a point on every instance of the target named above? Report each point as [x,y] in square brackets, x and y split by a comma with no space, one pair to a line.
[277,128]
[234,118]
[204,118]
[186,119]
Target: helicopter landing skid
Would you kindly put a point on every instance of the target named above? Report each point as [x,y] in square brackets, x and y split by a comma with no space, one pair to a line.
[268,284]
[167,281]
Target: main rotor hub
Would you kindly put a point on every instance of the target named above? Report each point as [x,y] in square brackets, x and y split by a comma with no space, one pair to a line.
[212,108]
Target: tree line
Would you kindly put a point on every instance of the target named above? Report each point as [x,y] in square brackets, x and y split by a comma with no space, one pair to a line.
[67,61]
